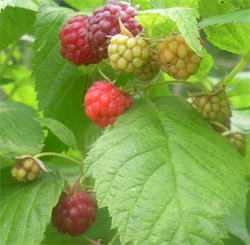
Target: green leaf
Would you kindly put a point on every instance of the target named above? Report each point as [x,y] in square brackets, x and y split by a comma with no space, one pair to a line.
[233,37]
[165,175]
[4,80]
[19,133]
[173,3]
[205,65]
[242,87]
[26,4]
[25,208]
[14,22]
[5,3]
[59,130]
[241,16]
[240,93]
[236,224]
[185,19]
[86,4]
[60,84]
[101,229]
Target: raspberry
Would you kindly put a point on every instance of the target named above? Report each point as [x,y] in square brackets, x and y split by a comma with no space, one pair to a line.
[177,59]
[26,169]
[214,106]
[105,23]
[74,46]
[149,70]
[239,141]
[104,102]
[127,54]
[74,213]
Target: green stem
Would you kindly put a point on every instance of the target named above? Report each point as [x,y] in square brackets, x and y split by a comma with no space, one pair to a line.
[206,88]
[237,68]
[9,55]
[220,125]
[113,239]
[45,154]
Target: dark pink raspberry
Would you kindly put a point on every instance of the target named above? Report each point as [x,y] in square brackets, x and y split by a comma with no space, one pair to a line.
[104,23]
[73,45]
[104,102]
[74,213]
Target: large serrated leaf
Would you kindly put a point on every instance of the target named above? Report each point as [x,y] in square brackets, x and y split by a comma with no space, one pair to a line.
[233,37]
[25,208]
[165,175]
[60,84]
[19,133]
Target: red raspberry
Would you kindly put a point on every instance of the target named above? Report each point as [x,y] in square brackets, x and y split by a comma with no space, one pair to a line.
[74,213]
[74,46]
[104,102]
[105,23]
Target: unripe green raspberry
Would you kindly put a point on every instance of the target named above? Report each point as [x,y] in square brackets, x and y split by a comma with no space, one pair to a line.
[26,169]
[239,141]
[128,54]
[214,106]
[150,69]
[177,59]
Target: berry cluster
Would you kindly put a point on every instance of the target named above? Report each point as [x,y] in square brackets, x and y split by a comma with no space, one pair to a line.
[104,23]
[113,32]
[85,40]
[74,213]
[26,169]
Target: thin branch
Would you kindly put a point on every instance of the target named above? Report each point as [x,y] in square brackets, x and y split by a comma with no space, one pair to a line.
[45,154]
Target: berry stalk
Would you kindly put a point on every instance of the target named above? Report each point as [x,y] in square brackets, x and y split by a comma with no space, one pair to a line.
[238,68]
[45,154]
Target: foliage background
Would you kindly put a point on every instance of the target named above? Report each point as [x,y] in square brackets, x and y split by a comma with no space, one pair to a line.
[48,87]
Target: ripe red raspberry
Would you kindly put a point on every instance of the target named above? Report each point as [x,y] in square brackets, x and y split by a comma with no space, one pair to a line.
[105,23]
[177,59]
[26,169]
[74,46]
[74,213]
[128,54]
[104,102]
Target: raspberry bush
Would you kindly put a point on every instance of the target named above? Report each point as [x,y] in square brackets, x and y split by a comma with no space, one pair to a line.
[138,106]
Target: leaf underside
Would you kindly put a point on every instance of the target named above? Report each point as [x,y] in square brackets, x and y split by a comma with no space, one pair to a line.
[165,175]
